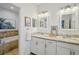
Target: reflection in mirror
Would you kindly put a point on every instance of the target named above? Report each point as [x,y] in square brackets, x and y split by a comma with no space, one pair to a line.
[43,22]
[43,19]
[33,22]
[67,22]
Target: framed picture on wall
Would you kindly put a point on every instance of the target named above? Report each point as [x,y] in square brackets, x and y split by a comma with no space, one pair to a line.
[7,23]
[27,21]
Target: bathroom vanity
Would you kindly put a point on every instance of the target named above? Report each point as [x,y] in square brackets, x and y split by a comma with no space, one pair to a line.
[55,45]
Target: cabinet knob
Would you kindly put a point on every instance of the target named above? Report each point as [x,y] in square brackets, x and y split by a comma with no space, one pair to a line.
[36,43]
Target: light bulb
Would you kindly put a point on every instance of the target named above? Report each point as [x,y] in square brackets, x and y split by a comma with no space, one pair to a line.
[75,8]
[11,7]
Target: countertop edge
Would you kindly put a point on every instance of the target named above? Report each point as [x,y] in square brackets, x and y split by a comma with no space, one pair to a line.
[56,40]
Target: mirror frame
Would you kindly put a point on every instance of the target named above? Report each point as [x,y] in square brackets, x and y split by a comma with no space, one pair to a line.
[75,16]
[40,18]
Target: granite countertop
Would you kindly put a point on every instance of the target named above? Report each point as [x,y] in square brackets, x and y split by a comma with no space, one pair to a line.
[72,40]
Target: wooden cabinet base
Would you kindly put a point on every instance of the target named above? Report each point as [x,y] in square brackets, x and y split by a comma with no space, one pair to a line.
[13,52]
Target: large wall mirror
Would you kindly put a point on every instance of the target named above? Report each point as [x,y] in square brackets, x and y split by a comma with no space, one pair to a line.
[43,20]
[67,22]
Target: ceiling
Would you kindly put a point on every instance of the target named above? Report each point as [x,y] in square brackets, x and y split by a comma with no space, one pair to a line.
[8,6]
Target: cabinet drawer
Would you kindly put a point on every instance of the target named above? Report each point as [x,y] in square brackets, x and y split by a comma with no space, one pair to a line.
[67,45]
[50,47]
[63,44]
[75,47]
[51,42]
[38,46]
[9,39]
[38,39]
[63,51]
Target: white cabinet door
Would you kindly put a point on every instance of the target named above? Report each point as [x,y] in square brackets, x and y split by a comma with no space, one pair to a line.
[27,47]
[63,51]
[74,49]
[41,46]
[75,52]
[50,47]
[33,45]
[38,46]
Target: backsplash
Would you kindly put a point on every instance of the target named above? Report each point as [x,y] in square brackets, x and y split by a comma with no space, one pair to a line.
[69,32]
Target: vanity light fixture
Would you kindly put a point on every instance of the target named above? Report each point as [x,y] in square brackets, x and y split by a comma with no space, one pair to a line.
[43,14]
[46,14]
[69,8]
[75,8]
[12,7]
[62,10]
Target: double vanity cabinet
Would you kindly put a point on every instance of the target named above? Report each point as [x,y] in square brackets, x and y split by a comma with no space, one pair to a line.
[43,46]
